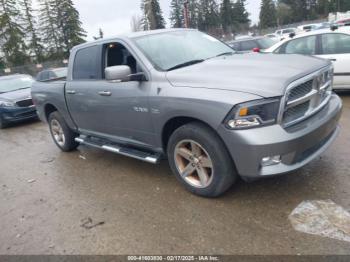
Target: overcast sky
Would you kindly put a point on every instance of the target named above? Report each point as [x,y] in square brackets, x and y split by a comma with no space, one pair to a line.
[113,16]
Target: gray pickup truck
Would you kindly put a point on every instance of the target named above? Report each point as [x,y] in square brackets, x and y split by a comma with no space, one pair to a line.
[185,96]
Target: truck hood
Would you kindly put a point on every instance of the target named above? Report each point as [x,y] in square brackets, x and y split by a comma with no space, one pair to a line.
[265,75]
[17,95]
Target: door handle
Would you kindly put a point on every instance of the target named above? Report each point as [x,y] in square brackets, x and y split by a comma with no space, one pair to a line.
[71,92]
[105,93]
[333,59]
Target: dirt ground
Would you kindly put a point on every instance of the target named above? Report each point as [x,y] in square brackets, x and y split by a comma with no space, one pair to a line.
[95,202]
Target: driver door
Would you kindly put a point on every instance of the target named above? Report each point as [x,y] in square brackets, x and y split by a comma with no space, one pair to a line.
[118,111]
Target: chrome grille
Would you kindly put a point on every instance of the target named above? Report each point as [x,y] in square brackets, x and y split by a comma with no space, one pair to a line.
[306,96]
[300,90]
[296,112]
[25,103]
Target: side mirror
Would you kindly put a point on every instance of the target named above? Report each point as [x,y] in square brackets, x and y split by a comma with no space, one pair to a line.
[117,73]
[256,50]
[139,77]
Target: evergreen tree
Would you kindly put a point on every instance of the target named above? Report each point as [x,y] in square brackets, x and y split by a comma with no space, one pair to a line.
[240,14]
[11,34]
[152,15]
[193,13]
[70,26]
[268,17]
[34,45]
[226,11]
[177,13]
[61,27]
[50,33]
[208,15]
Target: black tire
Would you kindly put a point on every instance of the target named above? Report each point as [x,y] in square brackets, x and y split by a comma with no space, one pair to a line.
[69,143]
[2,123]
[223,171]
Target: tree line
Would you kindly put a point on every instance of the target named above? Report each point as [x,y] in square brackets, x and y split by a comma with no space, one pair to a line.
[36,36]
[206,15]
[231,16]
[277,13]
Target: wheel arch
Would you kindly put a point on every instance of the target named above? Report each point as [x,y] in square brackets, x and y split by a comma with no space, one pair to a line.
[174,123]
[49,109]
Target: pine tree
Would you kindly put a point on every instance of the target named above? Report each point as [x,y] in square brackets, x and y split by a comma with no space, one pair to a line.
[226,15]
[268,14]
[177,13]
[61,27]
[240,14]
[34,45]
[50,33]
[208,15]
[70,26]
[11,34]
[193,13]
[152,15]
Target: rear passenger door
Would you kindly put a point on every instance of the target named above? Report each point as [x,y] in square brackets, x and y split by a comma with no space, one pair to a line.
[336,47]
[304,46]
[117,111]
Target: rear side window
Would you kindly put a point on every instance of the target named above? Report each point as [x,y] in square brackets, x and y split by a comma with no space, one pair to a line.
[304,46]
[235,46]
[335,44]
[85,64]
[248,45]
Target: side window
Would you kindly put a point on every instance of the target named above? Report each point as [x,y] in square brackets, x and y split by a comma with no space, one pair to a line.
[304,46]
[85,64]
[235,46]
[248,45]
[335,44]
[117,54]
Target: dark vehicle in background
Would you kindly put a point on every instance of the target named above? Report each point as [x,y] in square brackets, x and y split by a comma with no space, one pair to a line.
[15,99]
[52,74]
[255,44]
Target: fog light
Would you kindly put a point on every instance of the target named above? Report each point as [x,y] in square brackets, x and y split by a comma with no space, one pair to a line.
[271,160]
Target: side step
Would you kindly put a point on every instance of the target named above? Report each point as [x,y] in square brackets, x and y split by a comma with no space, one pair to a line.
[148,157]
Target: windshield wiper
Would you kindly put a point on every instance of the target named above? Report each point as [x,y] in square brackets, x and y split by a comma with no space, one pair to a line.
[226,53]
[192,62]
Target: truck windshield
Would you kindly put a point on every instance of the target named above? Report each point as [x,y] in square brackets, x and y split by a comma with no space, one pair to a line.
[15,83]
[172,50]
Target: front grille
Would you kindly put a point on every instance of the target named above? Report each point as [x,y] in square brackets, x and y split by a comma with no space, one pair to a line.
[307,96]
[25,103]
[300,90]
[296,112]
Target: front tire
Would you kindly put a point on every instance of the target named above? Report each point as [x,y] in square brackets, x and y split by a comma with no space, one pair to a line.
[62,135]
[200,160]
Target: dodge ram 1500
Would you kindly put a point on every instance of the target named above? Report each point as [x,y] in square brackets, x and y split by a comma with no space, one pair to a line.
[185,96]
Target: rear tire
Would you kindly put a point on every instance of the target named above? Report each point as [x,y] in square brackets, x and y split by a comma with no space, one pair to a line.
[200,161]
[62,135]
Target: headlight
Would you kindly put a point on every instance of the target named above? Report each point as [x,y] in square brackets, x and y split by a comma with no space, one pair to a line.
[253,114]
[6,104]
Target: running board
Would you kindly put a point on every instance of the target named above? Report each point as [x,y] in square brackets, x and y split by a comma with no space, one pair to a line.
[152,158]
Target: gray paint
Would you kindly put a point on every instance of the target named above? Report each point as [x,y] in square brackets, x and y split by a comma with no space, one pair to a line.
[136,112]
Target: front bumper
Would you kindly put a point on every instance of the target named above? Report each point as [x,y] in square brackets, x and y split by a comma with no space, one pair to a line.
[297,145]
[16,114]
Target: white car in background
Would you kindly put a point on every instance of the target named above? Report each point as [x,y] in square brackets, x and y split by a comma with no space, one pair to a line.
[285,33]
[325,43]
